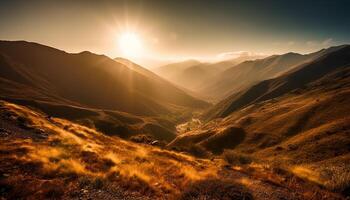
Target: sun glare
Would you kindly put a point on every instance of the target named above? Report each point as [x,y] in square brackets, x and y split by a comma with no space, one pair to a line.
[130,45]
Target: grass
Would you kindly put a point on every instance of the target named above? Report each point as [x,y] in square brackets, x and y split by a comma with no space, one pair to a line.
[79,158]
[336,178]
[216,189]
[76,159]
[235,158]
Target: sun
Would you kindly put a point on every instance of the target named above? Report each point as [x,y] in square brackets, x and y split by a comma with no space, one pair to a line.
[130,44]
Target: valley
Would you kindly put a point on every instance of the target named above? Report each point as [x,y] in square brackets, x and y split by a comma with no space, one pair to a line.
[84,126]
[174,100]
[190,125]
[50,158]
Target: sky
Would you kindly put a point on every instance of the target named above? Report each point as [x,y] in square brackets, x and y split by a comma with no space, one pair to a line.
[155,31]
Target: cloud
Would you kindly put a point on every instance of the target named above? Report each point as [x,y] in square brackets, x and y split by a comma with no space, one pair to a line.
[327,42]
[236,54]
[324,43]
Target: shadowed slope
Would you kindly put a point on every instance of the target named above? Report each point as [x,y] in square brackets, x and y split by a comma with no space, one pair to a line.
[304,131]
[243,75]
[295,79]
[90,80]
[89,88]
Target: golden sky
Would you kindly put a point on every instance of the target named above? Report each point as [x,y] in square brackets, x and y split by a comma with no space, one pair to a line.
[161,30]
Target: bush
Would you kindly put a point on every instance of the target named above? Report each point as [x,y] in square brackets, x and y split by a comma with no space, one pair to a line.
[198,151]
[216,189]
[235,158]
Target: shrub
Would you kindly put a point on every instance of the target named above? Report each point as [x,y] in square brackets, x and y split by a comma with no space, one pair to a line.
[198,151]
[235,158]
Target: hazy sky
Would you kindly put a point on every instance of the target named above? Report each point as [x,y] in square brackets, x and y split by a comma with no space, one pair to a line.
[179,28]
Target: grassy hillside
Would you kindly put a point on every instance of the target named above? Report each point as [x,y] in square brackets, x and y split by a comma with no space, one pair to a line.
[43,157]
[92,89]
[242,75]
[291,80]
[304,131]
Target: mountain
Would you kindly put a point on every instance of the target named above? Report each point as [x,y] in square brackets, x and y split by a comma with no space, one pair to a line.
[296,78]
[46,157]
[192,74]
[297,122]
[285,137]
[247,73]
[216,81]
[87,86]
[170,71]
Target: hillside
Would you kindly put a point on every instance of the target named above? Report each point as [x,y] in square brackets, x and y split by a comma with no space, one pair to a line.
[243,75]
[303,130]
[93,89]
[171,70]
[192,74]
[296,78]
[91,80]
[218,80]
[84,126]
[44,157]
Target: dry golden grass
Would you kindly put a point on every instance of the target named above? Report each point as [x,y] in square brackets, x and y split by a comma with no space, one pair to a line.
[70,150]
[52,158]
[305,133]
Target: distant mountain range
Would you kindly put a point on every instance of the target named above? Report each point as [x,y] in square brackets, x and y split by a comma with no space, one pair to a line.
[75,86]
[219,80]
[287,120]
[312,67]
[279,121]
[194,75]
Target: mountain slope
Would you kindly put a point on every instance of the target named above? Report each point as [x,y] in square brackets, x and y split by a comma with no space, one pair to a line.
[91,80]
[95,90]
[304,131]
[193,75]
[241,76]
[294,79]
[170,71]
[53,158]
